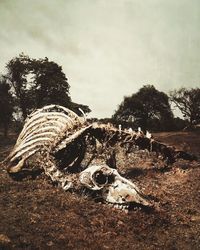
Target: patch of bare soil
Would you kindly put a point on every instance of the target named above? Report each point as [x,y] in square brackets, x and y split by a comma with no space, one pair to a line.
[34,214]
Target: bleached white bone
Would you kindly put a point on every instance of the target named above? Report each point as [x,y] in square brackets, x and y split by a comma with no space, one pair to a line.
[68,111]
[40,113]
[57,124]
[84,116]
[26,154]
[33,142]
[71,138]
[148,135]
[28,146]
[41,127]
[44,117]
[40,135]
[54,129]
[38,126]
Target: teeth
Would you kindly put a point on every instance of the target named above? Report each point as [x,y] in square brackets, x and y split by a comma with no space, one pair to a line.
[125,209]
[119,206]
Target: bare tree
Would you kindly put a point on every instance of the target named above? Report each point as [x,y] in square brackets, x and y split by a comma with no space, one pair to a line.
[188,102]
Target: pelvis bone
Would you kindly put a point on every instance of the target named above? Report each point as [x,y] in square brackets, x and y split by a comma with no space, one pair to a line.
[114,188]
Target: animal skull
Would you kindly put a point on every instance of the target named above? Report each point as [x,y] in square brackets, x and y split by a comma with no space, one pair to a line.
[115,189]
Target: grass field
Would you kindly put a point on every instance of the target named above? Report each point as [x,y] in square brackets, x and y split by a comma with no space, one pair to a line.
[34,214]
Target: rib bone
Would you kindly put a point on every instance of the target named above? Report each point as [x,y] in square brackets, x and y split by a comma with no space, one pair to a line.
[43,128]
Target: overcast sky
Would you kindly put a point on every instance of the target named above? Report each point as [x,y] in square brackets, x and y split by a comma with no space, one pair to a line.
[107,48]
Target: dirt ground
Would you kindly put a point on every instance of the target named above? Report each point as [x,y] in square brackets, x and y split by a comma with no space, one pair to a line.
[34,214]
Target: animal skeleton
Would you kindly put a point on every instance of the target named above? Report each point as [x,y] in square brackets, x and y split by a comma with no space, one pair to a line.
[58,138]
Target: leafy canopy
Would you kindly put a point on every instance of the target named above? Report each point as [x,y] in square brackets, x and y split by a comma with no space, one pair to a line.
[145,107]
[39,82]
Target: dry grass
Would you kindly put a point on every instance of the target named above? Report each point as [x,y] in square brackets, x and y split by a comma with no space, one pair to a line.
[37,215]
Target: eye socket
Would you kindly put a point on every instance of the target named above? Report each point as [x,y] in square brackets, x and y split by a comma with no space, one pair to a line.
[100,178]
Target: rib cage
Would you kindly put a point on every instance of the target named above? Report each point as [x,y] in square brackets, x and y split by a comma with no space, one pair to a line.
[44,128]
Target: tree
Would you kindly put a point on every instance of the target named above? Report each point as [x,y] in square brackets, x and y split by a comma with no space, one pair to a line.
[18,68]
[6,105]
[50,84]
[38,82]
[148,108]
[188,102]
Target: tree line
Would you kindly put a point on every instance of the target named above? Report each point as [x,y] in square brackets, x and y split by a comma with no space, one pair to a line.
[32,83]
[151,109]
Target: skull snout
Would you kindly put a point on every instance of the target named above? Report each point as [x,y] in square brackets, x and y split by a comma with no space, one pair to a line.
[123,193]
